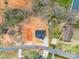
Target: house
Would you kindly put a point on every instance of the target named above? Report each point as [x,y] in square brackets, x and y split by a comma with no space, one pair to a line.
[34,31]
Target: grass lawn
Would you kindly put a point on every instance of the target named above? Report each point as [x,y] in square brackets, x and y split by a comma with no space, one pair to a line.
[76,34]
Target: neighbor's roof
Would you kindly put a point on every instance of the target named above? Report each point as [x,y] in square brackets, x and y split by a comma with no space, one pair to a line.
[2,5]
[19,3]
[75,5]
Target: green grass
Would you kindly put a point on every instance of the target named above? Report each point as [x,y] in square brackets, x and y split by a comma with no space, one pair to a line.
[71,49]
[76,34]
[75,49]
[4,55]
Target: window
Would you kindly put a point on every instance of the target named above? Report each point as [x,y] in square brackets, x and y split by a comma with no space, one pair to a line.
[40,34]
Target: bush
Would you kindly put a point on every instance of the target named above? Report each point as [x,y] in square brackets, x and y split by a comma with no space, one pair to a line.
[14,16]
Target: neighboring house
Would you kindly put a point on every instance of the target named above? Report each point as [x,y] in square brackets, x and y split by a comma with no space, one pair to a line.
[2,6]
[75,5]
